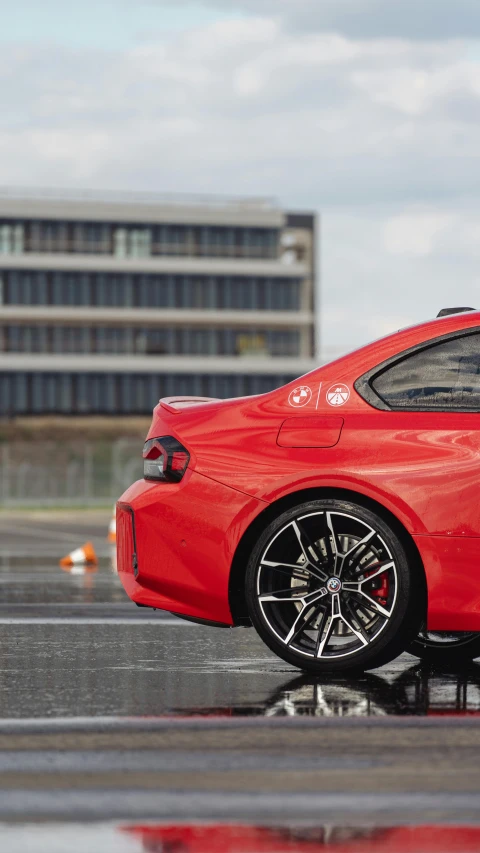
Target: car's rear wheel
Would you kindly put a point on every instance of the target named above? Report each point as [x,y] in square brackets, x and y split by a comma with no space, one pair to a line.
[329,588]
[446,648]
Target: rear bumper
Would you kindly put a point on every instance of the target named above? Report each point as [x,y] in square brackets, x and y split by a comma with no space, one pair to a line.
[176,541]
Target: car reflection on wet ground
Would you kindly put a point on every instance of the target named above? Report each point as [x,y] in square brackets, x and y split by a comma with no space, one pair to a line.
[243,838]
[110,712]
[307,839]
[73,645]
[416,691]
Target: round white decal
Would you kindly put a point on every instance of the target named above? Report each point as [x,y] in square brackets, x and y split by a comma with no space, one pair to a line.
[300,396]
[337,395]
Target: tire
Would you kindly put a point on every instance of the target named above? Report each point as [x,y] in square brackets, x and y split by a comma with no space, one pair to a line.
[442,648]
[329,588]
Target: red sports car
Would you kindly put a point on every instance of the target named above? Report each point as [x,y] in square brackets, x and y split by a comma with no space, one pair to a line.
[339,514]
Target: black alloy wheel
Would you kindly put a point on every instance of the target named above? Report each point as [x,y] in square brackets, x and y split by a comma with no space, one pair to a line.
[329,588]
[446,648]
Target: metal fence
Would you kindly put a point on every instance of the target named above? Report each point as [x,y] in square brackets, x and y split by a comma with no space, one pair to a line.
[46,473]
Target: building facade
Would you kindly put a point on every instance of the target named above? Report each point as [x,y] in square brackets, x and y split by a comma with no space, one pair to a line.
[109,303]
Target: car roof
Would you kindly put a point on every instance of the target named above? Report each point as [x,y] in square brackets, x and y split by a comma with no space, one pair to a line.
[372,354]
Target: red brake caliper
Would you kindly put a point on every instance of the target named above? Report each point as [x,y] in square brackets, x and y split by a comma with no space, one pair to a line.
[379,587]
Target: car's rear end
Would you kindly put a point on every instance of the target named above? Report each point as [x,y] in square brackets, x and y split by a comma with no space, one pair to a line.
[177,529]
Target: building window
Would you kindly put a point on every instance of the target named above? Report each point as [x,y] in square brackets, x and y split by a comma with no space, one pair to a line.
[149,291]
[129,340]
[11,239]
[132,242]
[120,242]
[99,393]
[123,240]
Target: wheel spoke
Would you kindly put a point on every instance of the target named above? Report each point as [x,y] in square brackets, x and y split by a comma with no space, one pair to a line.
[379,608]
[337,614]
[275,564]
[323,621]
[306,544]
[307,601]
[301,623]
[360,633]
[357,586]
[293,593]
[383,567]
[355,553]
[309,552]
[336,611]
[292,570]
[351,586]
[361,608]
[374,605]
[324,638]
[296,628]
[332,550]
[322,641]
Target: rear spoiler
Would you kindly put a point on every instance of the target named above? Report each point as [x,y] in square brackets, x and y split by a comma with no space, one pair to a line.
[176,404]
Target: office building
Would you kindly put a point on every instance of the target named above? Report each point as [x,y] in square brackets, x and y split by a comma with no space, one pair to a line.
[108,303]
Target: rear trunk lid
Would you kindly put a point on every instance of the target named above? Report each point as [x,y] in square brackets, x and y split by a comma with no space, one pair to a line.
[176,404]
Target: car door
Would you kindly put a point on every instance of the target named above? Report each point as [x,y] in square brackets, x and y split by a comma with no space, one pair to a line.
[435,393]
[431,441]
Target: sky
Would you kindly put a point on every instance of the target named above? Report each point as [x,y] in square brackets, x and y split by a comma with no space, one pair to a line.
[365,111]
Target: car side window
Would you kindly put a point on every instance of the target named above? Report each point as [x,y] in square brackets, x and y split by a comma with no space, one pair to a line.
[443,377]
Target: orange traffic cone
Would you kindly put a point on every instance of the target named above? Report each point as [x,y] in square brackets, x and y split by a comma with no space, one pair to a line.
[112,528]
[84,556]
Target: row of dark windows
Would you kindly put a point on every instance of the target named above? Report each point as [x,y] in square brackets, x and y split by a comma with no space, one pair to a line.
[146,341]
[442,377]
[149,291]
[137,240]
[101,393]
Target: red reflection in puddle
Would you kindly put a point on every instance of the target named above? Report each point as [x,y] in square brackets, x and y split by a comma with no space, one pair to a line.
[230,838]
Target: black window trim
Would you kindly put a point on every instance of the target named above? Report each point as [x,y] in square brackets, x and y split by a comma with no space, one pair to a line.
[363,385]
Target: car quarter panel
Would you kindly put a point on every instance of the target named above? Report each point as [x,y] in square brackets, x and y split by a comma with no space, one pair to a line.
[186,535]
[452,569]
[423,467]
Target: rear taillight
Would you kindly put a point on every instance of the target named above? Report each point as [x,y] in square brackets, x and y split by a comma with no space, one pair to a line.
[164,459]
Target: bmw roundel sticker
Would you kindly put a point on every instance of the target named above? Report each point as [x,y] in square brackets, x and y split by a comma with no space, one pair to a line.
[300,396]
[338,395]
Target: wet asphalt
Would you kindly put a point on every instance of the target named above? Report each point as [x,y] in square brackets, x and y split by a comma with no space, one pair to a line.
[118,715]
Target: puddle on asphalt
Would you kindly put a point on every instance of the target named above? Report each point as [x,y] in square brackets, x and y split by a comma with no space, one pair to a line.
[178,669]
[240,838]
[43,582]
[417,691]
[75,670]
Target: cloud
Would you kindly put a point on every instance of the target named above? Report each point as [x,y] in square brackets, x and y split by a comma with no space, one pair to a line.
[315,117]
[448,235]
[411,19]
[380,277]
[416,233]
[379,134]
